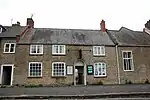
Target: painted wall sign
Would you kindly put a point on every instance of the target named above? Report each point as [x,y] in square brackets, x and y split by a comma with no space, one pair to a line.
[90,69]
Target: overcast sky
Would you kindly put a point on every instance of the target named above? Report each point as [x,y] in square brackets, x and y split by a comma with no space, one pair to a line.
[77,14]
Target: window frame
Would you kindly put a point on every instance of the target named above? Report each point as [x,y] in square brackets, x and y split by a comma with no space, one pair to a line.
[9,48]
[54,51]
[96,54]
[132,65]
[101,68]
[53,69]
[31,46]
[1,29]
[29,69]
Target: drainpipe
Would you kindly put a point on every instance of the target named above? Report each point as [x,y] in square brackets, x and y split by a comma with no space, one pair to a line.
[118,68]
[85,74]
[74,76]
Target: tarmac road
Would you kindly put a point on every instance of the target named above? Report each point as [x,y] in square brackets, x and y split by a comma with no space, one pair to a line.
[90,99]
[77,90]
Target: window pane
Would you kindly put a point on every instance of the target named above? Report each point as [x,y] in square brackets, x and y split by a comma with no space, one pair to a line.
[60,49]
[12,49]
[129,54]
[39,48]
[99,69]
[130,64]
[33,49]
[36,49]
[12,45]
[56,49]
[125,64]
[98,50]
[35,69]
[7,48]
[127,61]
[96,71]
[58,69]
[125,55]
[102,50]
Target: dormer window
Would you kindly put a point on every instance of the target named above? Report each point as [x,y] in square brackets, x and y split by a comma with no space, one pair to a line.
[1,29]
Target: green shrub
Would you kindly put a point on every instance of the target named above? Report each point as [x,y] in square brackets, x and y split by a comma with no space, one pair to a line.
[146,81]
[100,83]
[128,82]
[3,86]
[33,85]
[40,85]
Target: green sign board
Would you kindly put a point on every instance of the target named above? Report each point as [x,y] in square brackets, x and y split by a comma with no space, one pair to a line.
[90,69]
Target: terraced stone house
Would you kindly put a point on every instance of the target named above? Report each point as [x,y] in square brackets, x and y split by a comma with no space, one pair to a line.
[50,56]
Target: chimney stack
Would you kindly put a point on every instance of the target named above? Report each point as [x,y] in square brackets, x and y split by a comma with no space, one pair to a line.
[30,22]
[17,24]
[103,27]
[147,25]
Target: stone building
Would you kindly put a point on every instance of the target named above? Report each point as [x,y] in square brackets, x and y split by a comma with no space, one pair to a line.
[50,56]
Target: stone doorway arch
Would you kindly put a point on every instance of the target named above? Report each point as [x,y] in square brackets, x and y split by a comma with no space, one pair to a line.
[79,72]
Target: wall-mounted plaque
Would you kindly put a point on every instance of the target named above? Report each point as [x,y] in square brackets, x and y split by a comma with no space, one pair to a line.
[90,69]
[69,70]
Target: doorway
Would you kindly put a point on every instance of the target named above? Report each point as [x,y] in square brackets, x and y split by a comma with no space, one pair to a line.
[79,73]
[6,74]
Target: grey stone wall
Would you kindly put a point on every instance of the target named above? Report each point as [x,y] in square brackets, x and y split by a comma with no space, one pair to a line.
[21,70]
[141,63]
[6,58]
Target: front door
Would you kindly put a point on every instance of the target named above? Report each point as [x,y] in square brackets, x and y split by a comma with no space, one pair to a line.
[79,74]
[6,74]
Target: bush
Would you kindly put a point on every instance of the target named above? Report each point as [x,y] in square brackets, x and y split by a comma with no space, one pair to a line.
[33,85]
[128,82]
[40,85]
[3,86]
[146,81]
[100,83]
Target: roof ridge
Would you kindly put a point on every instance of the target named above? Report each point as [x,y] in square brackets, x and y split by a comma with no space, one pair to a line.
[69,29]
[125,28]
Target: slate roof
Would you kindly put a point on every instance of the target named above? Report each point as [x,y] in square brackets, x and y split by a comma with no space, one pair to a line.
[68,36]
[11,31]
[124,36]
[128,37]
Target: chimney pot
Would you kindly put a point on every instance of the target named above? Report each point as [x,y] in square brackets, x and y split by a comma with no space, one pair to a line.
[18,23]
[103,27]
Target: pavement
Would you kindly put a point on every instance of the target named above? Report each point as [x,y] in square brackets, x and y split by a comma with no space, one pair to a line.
[97,91]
